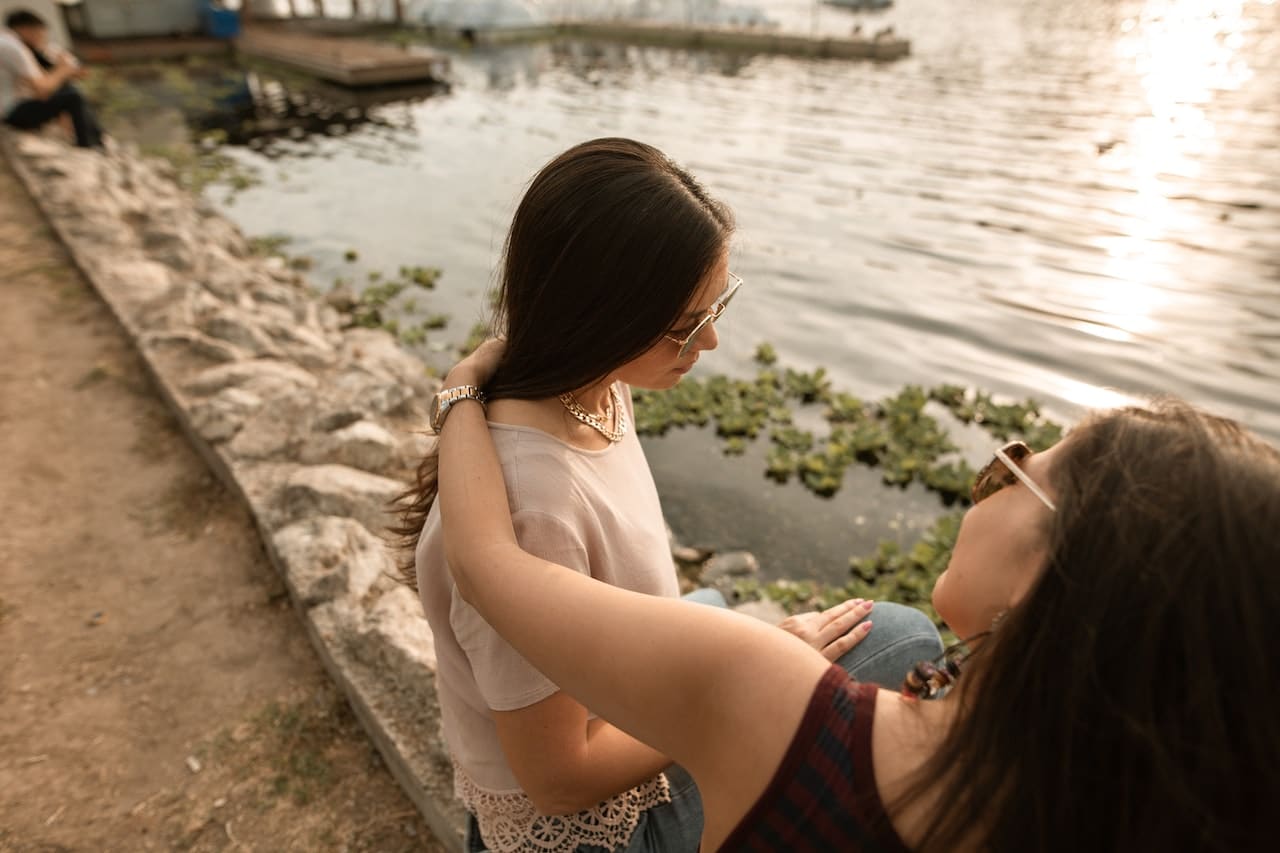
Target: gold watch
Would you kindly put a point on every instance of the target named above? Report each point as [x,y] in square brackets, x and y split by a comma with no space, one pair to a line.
[446,398]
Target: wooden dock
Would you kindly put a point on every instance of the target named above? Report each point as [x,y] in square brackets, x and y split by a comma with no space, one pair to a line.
[106,51]
[353,62]
[739,40]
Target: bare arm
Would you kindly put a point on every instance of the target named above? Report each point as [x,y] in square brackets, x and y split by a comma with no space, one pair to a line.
[567,763]
[695,683]
[49,82]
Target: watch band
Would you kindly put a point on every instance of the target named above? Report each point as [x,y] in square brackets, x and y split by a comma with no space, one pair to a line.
[447,397]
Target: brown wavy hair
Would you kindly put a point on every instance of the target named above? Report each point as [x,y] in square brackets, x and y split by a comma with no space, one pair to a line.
[606,251]
[1127,702]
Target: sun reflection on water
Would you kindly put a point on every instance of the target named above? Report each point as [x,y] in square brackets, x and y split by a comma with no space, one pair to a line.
[1184,53]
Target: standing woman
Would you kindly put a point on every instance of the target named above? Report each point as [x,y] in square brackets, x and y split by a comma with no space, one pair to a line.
[614,273]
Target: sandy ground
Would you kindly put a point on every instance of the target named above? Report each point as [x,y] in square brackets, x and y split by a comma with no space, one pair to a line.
[157,691]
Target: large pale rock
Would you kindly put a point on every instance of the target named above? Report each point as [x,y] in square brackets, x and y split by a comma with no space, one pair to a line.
[729,565]
[764,610]
[335,419]
[276,430]
[221,233]
[267,289]
[142,286]
[226,277]
[380,354]
[326,558]
[171,245]
[339,490]
[394,639]
[221,416]
[238,328]
[34,147]
[192,344]
[362,444]
[255,374]
[361,390]
[306,346]
[413,446]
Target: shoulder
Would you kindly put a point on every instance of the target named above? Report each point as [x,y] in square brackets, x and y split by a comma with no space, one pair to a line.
[13,50]
[826,770]
[542,472]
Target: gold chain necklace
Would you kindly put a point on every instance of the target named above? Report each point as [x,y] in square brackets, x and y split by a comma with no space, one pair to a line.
[614,412]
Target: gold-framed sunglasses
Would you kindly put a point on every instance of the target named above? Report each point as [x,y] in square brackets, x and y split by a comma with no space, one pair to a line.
[1005,469]
[713,314]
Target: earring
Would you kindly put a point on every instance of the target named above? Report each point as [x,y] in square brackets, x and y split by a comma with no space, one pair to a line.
[997,619]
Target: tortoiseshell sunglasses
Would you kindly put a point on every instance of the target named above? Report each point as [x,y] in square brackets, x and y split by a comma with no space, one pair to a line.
[1004,469]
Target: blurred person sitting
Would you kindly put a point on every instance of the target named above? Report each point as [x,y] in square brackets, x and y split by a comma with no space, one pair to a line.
[35,80]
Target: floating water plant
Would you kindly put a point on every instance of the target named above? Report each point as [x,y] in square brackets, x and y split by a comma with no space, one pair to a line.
[269,244]
[896,435]
[1004,421]
[424,277]
[893,573]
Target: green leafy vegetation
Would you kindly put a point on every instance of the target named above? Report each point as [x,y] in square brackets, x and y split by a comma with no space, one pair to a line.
[896,435]
[893,573]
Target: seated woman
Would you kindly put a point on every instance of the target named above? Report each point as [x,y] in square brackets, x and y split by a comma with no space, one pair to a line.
[615,271]
[1118,591]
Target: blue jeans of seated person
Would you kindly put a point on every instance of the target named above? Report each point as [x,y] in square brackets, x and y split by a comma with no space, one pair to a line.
[901,637]
[31,114]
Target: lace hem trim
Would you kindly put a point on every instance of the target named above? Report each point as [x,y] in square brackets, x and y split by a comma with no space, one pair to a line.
[509,823]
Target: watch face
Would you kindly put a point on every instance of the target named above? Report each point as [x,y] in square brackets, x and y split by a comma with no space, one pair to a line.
[433,414]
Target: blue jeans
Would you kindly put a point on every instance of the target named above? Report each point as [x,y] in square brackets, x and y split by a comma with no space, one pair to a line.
[31,114]
[901,637]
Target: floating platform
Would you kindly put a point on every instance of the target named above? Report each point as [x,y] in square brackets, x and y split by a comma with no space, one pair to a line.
[352,62]
[105,51]
[744,40]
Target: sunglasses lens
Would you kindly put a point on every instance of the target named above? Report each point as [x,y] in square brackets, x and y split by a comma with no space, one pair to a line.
[995,475]
[992,478]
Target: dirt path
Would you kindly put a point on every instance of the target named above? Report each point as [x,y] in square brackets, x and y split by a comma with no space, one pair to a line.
[157,691]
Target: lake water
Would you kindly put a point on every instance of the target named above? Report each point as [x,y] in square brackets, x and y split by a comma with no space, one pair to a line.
[1075,201]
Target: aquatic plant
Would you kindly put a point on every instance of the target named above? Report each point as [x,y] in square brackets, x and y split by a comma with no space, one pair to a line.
[896,435]
[269,244]
[1004,421]
[424,277]
[905,574]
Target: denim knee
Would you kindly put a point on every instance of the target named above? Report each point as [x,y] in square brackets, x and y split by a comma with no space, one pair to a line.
[901,636]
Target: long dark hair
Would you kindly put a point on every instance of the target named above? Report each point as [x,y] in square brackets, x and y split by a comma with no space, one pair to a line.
[1127,702]
[606,251]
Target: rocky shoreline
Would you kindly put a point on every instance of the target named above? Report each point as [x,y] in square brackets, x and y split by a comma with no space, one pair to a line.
[313,423]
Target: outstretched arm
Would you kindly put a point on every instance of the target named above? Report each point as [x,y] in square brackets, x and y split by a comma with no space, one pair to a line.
[718,692]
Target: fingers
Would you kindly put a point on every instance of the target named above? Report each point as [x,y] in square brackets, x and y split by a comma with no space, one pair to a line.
[837,648]
[840,619]
[480,365]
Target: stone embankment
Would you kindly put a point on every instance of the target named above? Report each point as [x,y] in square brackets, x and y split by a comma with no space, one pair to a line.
[314,424]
